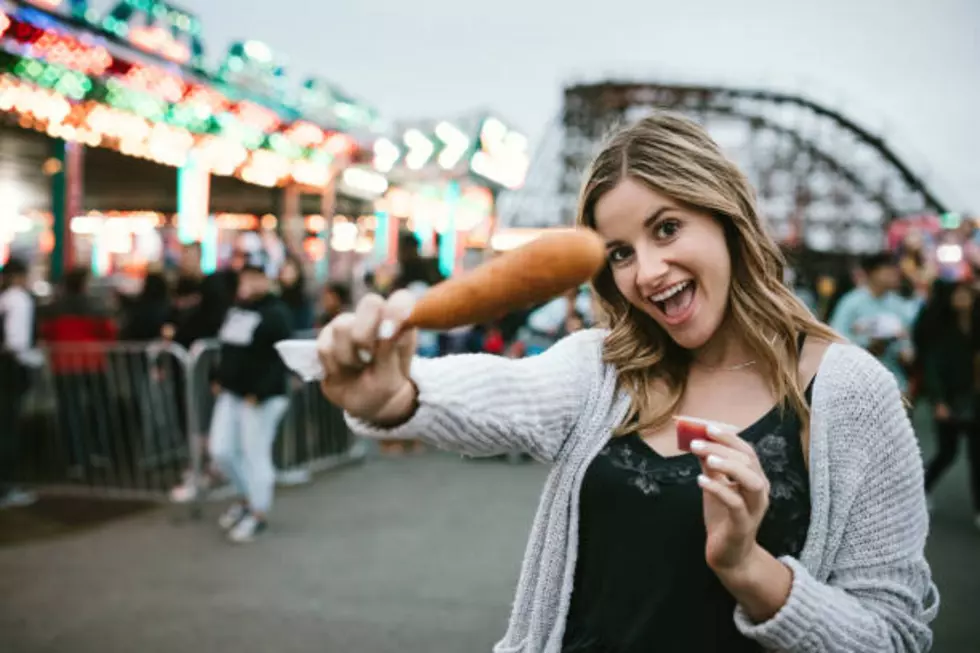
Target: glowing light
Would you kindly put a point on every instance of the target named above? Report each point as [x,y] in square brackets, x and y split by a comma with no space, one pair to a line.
[257,116]
[386,154]
[455,144]
[161,41]
[311,173]
[502,157]
[315,223]
[265,168]
[156,81]
[305,134]
[366,182]
[420,149]
[46,4]
[221,155]
[339,144]
[26,99]
[949,254]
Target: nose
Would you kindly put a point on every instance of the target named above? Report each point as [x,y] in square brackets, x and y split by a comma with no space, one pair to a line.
[652,267]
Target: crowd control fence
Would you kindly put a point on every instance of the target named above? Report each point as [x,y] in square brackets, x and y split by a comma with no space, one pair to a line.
[130,420]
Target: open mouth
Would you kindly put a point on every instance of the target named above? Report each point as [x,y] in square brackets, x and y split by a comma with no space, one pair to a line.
[675,300]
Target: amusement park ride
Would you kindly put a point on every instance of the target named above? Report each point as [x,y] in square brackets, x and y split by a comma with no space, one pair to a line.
[827,187]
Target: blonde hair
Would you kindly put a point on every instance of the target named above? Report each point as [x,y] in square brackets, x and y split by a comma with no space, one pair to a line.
[676,157]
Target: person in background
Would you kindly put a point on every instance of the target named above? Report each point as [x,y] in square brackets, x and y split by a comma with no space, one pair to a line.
[947,337]
[73,325]
[217,295]
[335,298]
[187,285]
[875,317]
[251,401]
[292,289]
[147,316]
[17,358]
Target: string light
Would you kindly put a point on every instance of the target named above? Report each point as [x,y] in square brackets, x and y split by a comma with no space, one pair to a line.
[265,168]
[71,87]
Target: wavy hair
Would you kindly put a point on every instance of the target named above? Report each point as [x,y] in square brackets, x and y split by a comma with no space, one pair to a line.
[676,157]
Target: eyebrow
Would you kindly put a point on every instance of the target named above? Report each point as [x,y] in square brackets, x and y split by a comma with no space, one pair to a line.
[649,222]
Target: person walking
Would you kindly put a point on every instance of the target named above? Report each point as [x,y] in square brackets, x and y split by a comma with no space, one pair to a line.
[252,399]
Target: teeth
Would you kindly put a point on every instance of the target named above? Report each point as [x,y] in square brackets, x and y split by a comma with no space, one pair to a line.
[670,292]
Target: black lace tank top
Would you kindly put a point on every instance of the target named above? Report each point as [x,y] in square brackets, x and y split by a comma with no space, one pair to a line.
[641,580]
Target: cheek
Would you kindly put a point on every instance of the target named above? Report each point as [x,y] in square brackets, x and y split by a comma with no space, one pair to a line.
[625,280]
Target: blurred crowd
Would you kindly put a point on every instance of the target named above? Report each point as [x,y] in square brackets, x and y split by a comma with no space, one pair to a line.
[915,308]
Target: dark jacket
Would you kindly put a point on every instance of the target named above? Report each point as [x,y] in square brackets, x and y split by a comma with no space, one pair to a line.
[250,365]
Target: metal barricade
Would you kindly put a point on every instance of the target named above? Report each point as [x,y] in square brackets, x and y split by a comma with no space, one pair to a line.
[130,420]
[104,420]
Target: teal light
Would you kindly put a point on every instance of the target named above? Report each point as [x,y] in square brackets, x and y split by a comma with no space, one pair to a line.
[447,244]
[381,230]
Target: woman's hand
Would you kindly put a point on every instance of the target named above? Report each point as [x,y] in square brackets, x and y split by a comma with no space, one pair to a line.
[366,356]
[736,497]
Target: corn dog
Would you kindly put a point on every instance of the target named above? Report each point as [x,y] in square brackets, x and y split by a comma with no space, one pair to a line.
[538,271]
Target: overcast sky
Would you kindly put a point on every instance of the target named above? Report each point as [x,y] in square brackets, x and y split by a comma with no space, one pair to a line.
[908,69]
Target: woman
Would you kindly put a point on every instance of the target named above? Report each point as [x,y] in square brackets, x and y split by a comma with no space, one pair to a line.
[292,288]
[638,546]
[947,338]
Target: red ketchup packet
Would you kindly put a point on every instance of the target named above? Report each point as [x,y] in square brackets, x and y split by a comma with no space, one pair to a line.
[692,428]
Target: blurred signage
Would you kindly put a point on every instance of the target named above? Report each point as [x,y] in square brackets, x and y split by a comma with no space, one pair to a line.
[502,157]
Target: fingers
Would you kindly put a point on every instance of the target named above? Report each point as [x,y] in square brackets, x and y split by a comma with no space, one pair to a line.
[725,493]
[741,473]
[364,328]
[703,449]
[730,438]
[354,340]
[395,312]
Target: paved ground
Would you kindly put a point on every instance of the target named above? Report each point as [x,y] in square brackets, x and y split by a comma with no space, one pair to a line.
[411,555]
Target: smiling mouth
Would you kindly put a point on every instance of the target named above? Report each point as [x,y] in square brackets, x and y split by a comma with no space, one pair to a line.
[673,301]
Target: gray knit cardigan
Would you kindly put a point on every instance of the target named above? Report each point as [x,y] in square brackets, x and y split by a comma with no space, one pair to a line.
[861,583]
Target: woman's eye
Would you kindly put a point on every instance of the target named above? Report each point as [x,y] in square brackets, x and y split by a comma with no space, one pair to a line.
[618,255]
[667,229]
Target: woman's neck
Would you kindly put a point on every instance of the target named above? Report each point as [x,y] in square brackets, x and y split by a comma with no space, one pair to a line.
[724,349]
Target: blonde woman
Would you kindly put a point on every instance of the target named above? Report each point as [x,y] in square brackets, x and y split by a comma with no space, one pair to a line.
[800,528]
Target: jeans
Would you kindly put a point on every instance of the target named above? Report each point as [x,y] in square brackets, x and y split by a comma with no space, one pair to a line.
[241,445]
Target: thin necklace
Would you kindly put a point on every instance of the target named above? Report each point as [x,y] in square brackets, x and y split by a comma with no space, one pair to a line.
[730,368]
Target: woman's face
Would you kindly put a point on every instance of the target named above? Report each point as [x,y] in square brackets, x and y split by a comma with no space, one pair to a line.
[668,261]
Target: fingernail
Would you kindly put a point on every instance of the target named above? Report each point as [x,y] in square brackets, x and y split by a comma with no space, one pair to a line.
[386,329]
[713,460]
[698,445]
[364,355]
[713,430]
[703,480]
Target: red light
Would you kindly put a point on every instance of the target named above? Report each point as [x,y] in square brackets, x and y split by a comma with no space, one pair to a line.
[60,48]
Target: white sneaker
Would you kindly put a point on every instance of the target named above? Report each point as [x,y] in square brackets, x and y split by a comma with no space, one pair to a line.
[246,530]
[17,498]
[231,517]
[184,493]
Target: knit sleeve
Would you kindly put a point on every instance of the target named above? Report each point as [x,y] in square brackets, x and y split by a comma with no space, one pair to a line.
[879,596]
[484,405]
